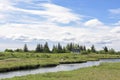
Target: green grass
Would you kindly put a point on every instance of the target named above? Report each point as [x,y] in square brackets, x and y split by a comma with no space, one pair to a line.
[106,71]
[18,61]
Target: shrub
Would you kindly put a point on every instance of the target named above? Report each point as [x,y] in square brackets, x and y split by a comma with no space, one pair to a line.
[9,50]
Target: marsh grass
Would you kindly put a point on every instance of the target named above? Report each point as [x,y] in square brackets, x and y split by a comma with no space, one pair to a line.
[20,61]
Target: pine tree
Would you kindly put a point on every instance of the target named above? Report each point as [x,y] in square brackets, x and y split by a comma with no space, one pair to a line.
[37,48]
[59,47]
[25,49]
[41,48]
[105,49]
[54,49]
[70,47]
[64,50]
[93,48]
[46,48]
[81,48]
[84,48]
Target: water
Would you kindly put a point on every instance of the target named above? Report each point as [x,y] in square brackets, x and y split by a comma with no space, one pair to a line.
[61,67]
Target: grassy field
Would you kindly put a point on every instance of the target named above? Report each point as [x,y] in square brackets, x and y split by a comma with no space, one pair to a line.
[20,61]
[106,71]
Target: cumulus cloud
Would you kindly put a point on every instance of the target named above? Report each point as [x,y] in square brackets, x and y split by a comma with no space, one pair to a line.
[116,30]
[93,23]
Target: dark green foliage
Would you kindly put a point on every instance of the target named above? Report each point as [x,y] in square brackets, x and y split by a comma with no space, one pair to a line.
[18,50]
[54,49]
[69,48]
[8,50]
[46,48]
[81,48]
[39,48]
[25,49]
[105,49]
[60,50]
[117,52]
[111,51]
[84,48]
[88,50]
[93,48]
[64,50]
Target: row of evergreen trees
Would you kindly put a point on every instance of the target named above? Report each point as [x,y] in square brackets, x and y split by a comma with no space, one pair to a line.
[70,47]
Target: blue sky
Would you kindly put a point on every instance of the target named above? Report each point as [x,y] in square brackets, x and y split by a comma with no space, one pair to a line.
[85,22]
[94,8]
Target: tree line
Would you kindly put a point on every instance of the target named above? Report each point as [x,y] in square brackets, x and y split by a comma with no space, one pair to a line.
[70,47]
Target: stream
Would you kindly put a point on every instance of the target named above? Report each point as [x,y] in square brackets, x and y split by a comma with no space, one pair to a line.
[61,67]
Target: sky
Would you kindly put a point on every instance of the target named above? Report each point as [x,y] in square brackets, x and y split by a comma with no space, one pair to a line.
[87,22]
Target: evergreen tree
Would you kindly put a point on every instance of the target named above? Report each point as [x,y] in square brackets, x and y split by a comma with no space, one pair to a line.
[105,49]
[64,50]
[76,46]
[88,50]
[41,48]
[93,48]
[46,48]
[59,47]
[84,48]
[81,48]
[69,46]
[38,48]
[25,49]
[54,49]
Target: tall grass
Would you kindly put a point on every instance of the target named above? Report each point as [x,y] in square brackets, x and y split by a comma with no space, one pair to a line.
[18,61]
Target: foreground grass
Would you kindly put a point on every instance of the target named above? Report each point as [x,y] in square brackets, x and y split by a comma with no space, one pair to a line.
[20,61]
[106,71]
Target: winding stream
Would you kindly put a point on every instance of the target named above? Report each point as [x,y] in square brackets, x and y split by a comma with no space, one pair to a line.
[61,67]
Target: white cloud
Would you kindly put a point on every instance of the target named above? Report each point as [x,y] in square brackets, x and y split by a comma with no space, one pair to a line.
[117,24]
[116,29]
[42,23]
[19,25]
[55,33]
[93,23]
[51,12]
[115,11]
